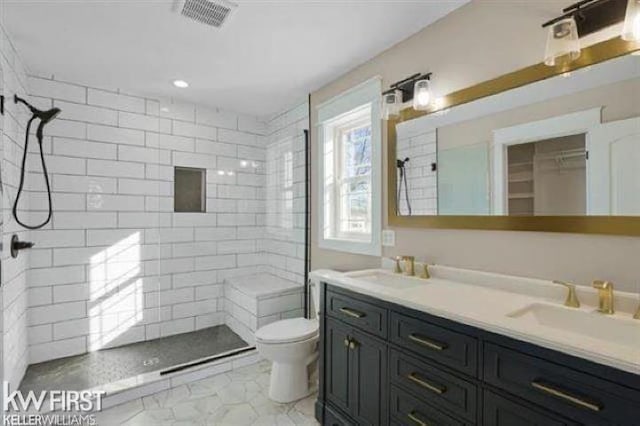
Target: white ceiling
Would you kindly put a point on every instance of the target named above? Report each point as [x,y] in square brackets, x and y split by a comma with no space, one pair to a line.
[269,54]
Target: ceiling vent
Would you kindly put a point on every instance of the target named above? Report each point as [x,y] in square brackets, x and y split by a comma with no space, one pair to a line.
[210,12]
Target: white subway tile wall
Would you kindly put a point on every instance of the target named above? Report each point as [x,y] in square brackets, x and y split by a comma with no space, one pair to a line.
[14,295]
[117,265]
[422,181]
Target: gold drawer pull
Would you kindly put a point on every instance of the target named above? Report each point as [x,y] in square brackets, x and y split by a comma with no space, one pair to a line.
[351,313]
[565,396]
[428,343]
[423,383]
[412,416]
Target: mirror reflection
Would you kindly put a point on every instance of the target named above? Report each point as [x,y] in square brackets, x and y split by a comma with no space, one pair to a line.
[566,146]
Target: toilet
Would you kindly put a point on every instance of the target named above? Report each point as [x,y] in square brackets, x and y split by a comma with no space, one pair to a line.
[292,346]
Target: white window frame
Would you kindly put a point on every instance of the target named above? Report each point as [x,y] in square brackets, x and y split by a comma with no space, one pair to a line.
[365,95]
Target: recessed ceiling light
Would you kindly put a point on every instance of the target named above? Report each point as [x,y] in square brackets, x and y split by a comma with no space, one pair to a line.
[180,84]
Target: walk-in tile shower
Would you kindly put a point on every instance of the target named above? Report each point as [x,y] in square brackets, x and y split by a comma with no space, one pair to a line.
[127,278]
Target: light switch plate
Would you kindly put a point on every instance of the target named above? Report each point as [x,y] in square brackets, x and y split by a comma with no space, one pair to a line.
[388,238]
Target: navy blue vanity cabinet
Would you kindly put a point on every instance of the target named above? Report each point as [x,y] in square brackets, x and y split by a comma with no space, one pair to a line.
[434,385]
[570,389]
[355,374]
[338,389]
[381,364]
[501,411]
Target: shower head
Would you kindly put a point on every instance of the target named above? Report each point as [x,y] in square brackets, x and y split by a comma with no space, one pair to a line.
[44,116]
[47,116]
[401,163]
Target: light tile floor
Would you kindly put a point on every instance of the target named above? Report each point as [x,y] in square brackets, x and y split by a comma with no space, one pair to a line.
[238,397]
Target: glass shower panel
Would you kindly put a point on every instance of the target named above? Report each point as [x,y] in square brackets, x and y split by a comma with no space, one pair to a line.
[465,169]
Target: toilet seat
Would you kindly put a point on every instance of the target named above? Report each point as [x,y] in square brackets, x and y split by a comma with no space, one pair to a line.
[287,331]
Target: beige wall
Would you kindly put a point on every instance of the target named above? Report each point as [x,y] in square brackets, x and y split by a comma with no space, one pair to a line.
[477,42]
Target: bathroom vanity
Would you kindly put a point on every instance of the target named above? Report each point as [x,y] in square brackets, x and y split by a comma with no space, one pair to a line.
[415,355]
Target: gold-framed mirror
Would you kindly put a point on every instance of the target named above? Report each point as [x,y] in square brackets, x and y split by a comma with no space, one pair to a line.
[540,149]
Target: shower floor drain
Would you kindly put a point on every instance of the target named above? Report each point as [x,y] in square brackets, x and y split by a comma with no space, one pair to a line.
[150,362]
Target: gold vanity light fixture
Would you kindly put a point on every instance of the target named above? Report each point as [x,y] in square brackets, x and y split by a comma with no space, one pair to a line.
[416,88]
[631,28]
[583,18]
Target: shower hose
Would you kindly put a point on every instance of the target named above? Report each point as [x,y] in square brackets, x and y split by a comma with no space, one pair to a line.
[22,174]
[403,181]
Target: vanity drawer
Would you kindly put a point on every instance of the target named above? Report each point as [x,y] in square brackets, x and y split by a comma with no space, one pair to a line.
[448,347]
[410,411]
[358,313]
[434,386]
[500,411]
[577,395]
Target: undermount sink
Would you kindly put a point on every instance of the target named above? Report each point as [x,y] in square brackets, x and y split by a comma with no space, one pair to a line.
[386,279]
[615,330]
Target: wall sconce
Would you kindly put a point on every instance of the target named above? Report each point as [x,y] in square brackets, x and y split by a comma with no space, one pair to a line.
[415,88]
[631,28]
[578,20]
[391,102]
[563,43]
[422,95]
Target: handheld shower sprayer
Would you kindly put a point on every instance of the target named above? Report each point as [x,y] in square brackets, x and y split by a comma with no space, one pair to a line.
[401,164]
[45,117]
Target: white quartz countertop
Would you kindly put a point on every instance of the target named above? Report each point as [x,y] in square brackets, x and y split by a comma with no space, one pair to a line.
[487,308]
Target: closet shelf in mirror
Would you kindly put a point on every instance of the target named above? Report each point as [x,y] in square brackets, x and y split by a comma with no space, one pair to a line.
[521,164]
[521,177]
[521,195]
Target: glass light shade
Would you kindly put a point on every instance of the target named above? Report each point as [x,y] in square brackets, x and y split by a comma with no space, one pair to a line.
[421,95]
[391,104]
[563,43]
[631,28]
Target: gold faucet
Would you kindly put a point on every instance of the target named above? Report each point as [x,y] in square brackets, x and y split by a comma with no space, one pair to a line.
[409,265]
[605,296]
[572,298]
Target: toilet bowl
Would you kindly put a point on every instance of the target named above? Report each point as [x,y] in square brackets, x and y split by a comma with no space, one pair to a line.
[292,346]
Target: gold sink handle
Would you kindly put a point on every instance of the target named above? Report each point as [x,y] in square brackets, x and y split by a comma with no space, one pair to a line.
[572,298]
[425,272]
[396,267]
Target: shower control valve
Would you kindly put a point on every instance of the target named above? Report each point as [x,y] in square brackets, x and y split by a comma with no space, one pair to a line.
[17,245]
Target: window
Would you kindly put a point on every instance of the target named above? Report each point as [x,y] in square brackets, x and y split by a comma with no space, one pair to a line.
[350,135]
[189,190]
[352,158]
